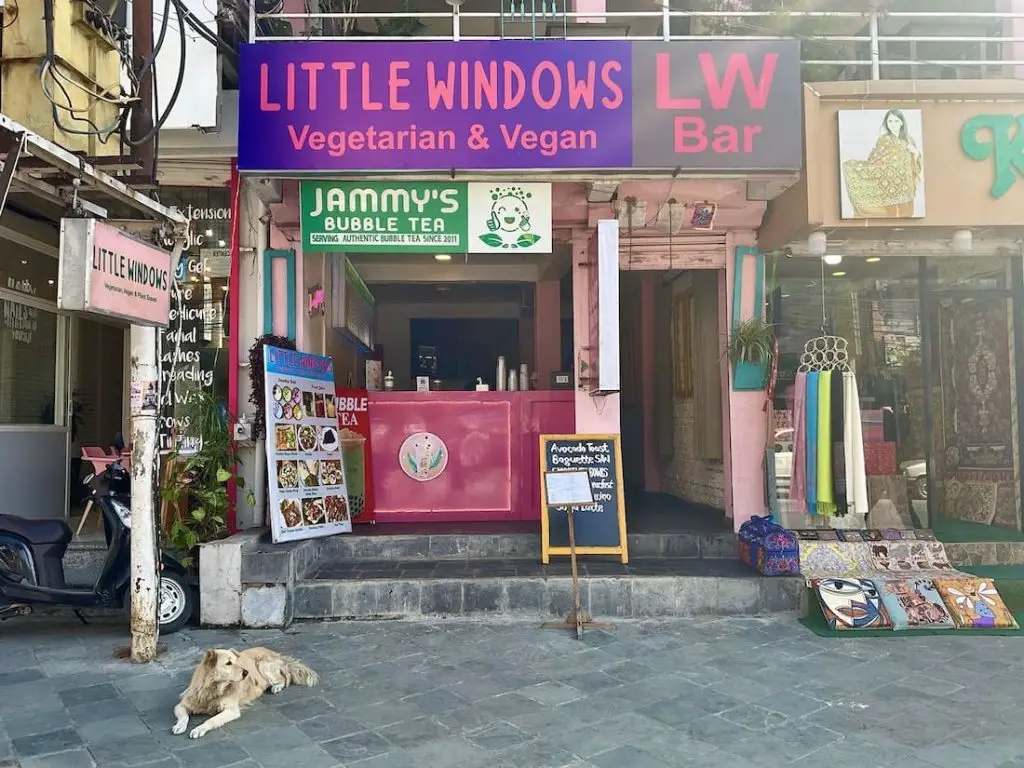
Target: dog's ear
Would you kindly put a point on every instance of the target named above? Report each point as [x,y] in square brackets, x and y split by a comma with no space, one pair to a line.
[210,657]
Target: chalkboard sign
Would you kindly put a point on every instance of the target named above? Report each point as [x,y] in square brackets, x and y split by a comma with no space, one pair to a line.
[600,528]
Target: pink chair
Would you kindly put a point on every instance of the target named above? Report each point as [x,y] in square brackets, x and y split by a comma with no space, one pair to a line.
[100,460]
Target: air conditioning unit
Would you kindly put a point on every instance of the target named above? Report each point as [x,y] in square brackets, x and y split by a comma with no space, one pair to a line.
[268,190]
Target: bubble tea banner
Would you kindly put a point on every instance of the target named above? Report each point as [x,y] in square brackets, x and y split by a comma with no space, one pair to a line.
[354,437]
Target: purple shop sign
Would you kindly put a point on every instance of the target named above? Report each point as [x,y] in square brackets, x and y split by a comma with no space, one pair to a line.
[520,105]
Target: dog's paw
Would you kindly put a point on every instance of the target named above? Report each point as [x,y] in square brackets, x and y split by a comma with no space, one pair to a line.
[277,687]
[197,732]
[179,727]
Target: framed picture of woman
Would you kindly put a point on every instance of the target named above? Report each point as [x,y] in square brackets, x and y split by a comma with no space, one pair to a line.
[881,164]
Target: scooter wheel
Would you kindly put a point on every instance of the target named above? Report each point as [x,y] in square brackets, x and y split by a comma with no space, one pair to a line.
[177,603]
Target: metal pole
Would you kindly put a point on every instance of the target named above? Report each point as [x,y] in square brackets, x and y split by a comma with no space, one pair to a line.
[144,588]
[142,115]
[666,21]
[876,56]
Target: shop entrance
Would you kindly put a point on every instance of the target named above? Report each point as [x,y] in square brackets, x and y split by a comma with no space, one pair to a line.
[974,479]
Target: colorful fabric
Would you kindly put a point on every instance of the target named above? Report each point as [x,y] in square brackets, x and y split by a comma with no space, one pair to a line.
[851,604]
[835,559]
[890,176]
[853,439]
[798,479]
[811,428]
[826,498]
[913,603]
[838,461]
[974,603]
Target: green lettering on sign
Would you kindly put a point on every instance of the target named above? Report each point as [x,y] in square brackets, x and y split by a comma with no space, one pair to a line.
[1000,137]
[381,216]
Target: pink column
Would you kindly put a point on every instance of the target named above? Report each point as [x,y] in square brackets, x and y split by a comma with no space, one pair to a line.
[594,415]
[745,430]
[652,476]
[547,331]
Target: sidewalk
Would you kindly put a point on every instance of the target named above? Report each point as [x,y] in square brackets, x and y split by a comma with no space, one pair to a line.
[715,693]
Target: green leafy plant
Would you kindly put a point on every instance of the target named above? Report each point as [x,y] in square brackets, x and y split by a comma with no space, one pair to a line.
[752,341]
[199,483]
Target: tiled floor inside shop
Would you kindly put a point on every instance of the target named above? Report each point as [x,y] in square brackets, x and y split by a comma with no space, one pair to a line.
[714,693]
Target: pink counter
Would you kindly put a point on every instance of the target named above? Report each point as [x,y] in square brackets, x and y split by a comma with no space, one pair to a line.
[485,445]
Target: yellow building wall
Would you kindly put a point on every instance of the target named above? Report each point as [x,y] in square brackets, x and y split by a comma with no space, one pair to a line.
[82,54]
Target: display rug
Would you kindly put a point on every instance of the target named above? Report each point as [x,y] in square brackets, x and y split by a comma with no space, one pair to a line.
[815,621]
[867,581]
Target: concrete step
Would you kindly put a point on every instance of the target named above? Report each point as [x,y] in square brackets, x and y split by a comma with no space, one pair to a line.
[644,588]
[442,546]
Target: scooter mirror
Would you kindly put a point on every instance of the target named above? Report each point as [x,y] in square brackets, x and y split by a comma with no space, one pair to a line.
[118,442]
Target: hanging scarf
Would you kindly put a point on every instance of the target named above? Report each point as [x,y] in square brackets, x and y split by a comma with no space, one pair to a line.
[838,446]
[853,438]
[811,427]
[798,473]
[826,505]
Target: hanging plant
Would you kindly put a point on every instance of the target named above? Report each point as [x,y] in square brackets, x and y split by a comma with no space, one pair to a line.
[752,341]
[257,396]
[751,347]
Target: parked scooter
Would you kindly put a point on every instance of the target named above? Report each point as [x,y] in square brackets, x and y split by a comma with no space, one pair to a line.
[32,553]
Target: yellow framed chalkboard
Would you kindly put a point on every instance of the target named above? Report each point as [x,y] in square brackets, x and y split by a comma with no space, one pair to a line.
[600,527]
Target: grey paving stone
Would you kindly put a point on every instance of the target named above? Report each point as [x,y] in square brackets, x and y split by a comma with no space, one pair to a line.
[21,676]
[329,727]
[541,754]
[46,743]
[453,752]
[210,755]
[75,758]
[133,751]
[628,755]
[409,734]
[358,746]
[88,694]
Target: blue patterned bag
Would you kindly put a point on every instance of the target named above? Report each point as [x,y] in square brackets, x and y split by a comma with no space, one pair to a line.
[768,547]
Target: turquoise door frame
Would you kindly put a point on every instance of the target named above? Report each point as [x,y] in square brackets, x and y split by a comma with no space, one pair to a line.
[269,257]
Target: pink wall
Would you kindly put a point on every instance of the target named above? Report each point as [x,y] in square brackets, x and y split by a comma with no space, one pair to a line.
[745,428]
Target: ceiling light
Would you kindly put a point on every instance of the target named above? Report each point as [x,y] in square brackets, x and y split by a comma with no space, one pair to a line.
[24,261]
[873,259]
[839,274]
[209,233]
[221,243]
[817,243]
[50,282]
[832,259]
[442,257]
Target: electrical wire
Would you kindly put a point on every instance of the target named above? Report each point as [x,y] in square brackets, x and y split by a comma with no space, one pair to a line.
[158,124]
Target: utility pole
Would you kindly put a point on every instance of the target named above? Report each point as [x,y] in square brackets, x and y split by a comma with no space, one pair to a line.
[144,590]
[142,113]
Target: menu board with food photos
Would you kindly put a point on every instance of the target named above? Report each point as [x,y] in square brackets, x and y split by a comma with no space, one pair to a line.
[308,494]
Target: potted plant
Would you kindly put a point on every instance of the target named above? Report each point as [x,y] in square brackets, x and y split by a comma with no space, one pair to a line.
[198,484]
[751,345]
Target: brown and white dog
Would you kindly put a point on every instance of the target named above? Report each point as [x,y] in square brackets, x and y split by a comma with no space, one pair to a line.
[227,680]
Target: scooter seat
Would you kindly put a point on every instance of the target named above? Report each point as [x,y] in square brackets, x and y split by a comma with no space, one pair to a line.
[36,531]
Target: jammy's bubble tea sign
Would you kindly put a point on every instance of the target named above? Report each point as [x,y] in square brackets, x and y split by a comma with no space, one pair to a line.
[354,436]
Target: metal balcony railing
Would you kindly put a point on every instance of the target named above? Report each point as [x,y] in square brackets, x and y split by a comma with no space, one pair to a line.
[836,45]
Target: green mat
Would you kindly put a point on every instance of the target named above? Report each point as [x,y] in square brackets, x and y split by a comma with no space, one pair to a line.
[816,623]
[952,531]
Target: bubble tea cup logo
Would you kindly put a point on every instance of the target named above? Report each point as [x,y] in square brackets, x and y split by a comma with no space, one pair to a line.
[509,224]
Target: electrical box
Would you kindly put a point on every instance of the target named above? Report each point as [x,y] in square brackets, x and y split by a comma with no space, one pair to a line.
[83,77]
